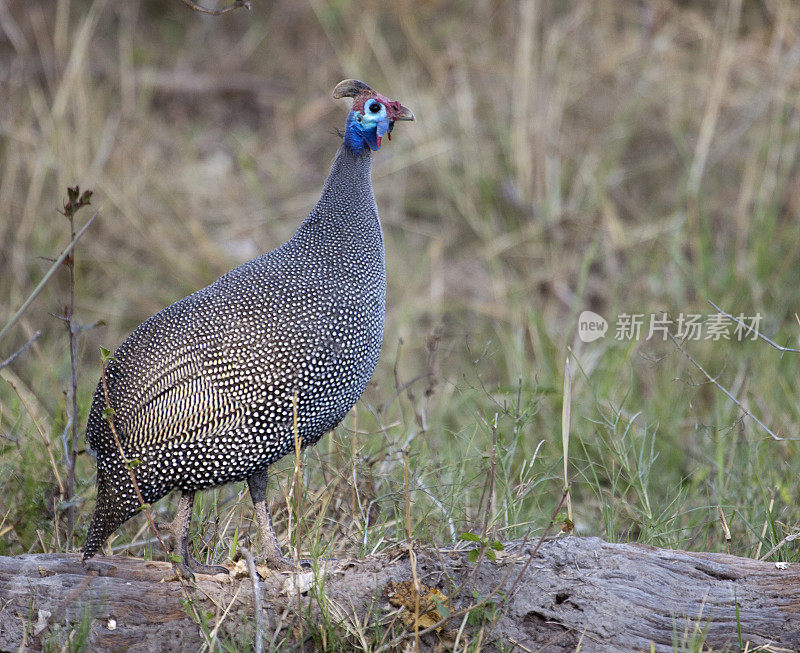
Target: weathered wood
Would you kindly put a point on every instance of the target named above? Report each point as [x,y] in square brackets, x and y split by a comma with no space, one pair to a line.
[608,597]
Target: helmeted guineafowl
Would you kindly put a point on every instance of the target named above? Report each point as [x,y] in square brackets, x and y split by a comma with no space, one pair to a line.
[204,392]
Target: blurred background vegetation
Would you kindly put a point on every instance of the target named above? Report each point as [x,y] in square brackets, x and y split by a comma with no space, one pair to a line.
[617,156]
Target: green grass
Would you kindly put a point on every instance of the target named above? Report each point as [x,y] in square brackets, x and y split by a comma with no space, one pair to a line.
[557,164]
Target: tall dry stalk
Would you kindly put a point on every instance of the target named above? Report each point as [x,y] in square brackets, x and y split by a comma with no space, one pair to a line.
[75,202]
[565,419]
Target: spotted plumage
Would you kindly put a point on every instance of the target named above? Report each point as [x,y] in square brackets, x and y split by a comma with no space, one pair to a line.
[208,391]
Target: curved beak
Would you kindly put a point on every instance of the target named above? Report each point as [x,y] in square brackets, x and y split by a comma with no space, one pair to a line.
[400,113]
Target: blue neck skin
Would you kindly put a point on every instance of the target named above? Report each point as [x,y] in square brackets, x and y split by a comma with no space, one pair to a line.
[367,131]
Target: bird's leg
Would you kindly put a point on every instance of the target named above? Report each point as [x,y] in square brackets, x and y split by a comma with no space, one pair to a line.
[270,551]
[179,546]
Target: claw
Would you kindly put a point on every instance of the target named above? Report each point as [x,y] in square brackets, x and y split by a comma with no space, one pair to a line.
[271,555]
[178,537]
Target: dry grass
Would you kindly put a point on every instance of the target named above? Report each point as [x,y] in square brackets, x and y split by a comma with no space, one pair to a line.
[623,157]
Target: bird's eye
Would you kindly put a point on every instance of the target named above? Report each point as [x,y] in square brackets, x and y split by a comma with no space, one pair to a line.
[374,107]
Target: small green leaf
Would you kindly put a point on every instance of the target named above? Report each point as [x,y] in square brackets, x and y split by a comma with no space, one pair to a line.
[442,609]
[491,555]
[470,537]
[133,463]
[108,413]
[105,355]
[472,556]
[497,546]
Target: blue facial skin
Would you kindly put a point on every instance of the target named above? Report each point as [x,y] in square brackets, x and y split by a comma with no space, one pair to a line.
[367,128]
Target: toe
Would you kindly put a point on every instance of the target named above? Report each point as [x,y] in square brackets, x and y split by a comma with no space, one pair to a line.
[200,568]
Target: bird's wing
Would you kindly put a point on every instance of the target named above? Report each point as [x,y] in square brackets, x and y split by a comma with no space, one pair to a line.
[162,388]
[179,403]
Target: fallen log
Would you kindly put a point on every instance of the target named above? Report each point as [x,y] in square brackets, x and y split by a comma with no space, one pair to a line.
[573,592]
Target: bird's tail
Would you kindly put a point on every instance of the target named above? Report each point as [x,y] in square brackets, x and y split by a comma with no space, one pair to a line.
[116,503]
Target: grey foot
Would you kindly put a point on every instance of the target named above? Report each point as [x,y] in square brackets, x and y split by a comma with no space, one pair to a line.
[279,563]
[200,568]
[271,555]
[186,564]
[176,535]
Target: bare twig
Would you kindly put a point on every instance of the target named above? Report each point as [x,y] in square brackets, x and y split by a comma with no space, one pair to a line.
[412,557]
[473,572]
[490,597]
[75,202]
[251,569]
[56,264]
[237,4]
[401,387]
[20,351]
[565,424]
[296,488]
[142,504]
[789,538]
[521,647]
[753,330]
[538,544]
[490,499]
[721,387]
[489,502]
[212,636]
[296,497]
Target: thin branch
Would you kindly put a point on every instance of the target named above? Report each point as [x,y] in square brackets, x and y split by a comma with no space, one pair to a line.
[46,278]
[401,387]
[789,538]
[566,409]
[212,636]
[484,544]
[753,329]
[412,558]
[251,569]
[128,465]
[65,440]
[721,387]
[217,12]
[142,504]
[75,203]
[21,350]
[490,499]
[536,548]
[489,598]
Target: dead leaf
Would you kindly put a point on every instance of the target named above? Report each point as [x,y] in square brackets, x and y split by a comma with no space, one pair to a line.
[429,599]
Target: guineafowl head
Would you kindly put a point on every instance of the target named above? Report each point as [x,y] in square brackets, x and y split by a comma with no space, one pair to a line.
[372,116]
